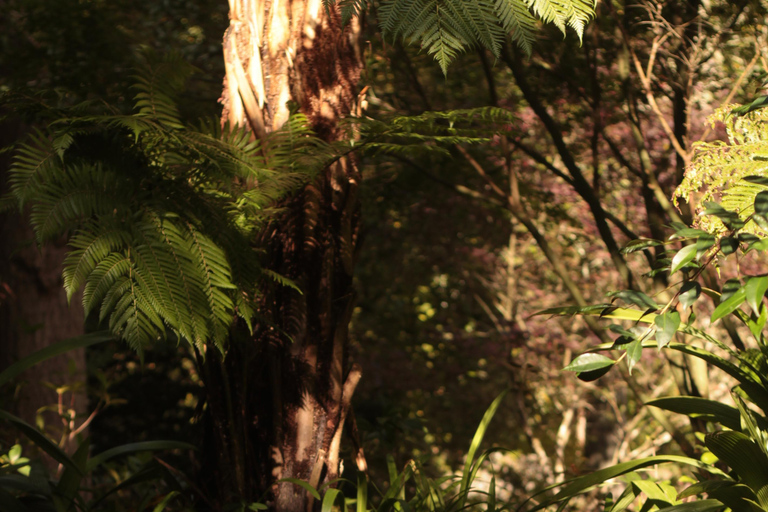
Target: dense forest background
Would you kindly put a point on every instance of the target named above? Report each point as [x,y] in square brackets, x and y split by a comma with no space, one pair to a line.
[458,249]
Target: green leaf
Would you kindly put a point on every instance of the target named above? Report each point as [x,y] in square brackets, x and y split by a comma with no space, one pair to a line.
[697,407]
[331,495]
[304,485]
[742,455]
[640,244]
[728,245]
[729,305]
[703,244]
[634,353]
[755,289]
[588,362]
[583,483]
[666,327]
[762,221]
[653,491]
[41,441]
[695,506]
[593,375]
[257,506]
[689,293]
[761,202]
[473,447]
[682,258]
[762,244]
[637,298]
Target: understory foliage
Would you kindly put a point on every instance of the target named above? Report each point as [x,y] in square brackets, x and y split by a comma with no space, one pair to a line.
[445,28]
[734,435]
[159,212]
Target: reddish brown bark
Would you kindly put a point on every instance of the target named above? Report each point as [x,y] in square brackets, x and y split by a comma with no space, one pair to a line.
[290,385]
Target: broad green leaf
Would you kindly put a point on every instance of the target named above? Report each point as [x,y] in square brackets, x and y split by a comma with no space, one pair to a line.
[757,180]
[688,232]
[730,287]
[637,298]
[653,491]
[625,500]
[331,495]
[705,486]
[634,353]
[742,455]
[762,221]
[666,327]
[689,292]
[729,305]
[761,202]
[588,362]
[703,244]
[257,506]
[602,310]
[593,375]
[582,483]
[695,506]
[640,244]
[682,258]
[697,407]
[756,288]
[728,245]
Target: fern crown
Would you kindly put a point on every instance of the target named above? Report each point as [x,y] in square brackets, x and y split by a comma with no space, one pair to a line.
[160,213]
[446,28]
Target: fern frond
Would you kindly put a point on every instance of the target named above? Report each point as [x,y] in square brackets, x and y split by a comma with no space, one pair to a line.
[717,169]
[446,28]
[159,81]
[35,162]
[160,214]
[517,20]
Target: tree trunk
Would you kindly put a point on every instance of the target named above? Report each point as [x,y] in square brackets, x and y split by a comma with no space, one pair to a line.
[34,314]
[278,402]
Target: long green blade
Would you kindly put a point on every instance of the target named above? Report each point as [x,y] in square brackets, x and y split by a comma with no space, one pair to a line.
[52,351]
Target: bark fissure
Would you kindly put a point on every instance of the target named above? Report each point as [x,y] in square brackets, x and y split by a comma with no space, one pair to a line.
[281,55]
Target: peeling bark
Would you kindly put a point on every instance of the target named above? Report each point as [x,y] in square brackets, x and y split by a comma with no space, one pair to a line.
[291,383]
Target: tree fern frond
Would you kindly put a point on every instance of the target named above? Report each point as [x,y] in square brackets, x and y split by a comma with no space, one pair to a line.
[90,246]
[717,169]
[159,81]
[446,28]
[73,196]
[160,214]
[35,162]
[102,278]
[517,20]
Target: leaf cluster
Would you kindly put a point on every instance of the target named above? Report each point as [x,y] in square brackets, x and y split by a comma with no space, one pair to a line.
[159,212]
[736,436]
[446,28]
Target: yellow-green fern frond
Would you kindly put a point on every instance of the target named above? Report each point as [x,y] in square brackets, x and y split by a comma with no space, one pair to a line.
[718,169]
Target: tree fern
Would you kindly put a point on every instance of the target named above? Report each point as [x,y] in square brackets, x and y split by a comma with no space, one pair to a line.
[159,213]
[446,28]
[718,169]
